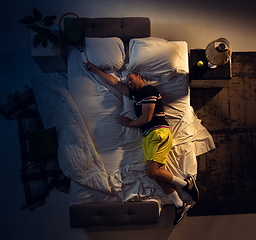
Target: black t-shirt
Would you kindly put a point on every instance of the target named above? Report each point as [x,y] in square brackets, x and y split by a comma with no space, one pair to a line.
[149,94]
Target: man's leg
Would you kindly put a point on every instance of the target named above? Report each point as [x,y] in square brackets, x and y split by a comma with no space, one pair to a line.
[171,192]
[161,175]
[158,172]
[156,146]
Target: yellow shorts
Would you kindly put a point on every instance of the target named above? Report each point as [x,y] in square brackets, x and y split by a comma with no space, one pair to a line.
[156,145]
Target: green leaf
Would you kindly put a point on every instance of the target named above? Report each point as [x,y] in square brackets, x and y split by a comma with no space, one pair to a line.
[49,18]
[27,20]
[35,28]
[36,40]
[48,24]
[52,38]
[37,15]
[44,42]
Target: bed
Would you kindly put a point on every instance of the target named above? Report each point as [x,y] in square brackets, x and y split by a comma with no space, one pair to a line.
[103,159]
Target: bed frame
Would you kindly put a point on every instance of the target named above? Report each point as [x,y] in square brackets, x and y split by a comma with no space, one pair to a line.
[86,215]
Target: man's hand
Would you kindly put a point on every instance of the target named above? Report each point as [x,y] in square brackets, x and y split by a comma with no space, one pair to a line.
[90,68]
[125,121]
[145,117]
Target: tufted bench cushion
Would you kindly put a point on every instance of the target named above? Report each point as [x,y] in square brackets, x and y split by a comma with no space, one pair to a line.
[85,215]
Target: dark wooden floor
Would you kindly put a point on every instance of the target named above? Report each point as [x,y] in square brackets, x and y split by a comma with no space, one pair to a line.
[226,176]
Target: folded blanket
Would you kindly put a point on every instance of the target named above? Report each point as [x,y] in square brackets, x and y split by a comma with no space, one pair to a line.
[38,178]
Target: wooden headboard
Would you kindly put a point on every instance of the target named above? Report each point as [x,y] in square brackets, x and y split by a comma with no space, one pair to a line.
[124,28]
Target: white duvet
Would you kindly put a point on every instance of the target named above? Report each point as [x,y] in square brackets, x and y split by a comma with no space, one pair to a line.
[104,159]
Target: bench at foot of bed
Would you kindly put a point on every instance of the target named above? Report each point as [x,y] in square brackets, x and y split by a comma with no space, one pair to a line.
[85,215]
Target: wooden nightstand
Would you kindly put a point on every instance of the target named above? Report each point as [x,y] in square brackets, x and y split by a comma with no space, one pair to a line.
[205,77]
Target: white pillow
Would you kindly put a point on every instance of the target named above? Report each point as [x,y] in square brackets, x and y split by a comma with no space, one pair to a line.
[105,53]
[157,59]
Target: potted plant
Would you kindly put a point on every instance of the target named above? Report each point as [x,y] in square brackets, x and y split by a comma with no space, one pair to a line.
[39,25]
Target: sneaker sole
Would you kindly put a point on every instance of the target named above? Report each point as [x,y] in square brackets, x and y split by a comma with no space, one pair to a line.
[187,209]
[194,183]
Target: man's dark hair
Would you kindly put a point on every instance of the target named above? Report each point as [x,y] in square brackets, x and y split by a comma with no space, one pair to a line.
[137,74]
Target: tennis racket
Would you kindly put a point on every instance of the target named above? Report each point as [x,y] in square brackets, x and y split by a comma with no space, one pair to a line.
[72,31]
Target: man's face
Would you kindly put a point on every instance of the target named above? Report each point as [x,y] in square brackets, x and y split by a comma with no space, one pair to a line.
[133,81]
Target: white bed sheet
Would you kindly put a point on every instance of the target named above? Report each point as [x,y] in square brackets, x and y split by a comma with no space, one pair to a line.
[104,159]
[120,147]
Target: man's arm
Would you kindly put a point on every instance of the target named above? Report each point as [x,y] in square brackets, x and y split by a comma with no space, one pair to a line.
[145,117]
[108,79]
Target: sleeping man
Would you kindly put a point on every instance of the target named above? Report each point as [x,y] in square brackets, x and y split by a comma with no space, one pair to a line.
[157,136]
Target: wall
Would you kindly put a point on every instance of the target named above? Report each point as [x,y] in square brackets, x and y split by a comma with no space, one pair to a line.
[198,22]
